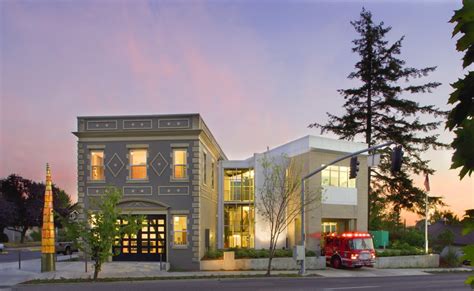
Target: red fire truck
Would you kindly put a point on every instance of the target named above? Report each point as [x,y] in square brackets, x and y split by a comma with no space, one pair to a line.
[349,249]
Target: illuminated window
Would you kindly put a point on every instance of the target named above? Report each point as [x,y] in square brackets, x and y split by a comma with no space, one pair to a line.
[180,230]
[337,176]
[179,163]
[239,221]
[138,164]
[328,227]
[239,185]
[97,165]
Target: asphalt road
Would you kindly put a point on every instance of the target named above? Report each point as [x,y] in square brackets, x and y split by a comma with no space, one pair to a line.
[449,282]
[12,255]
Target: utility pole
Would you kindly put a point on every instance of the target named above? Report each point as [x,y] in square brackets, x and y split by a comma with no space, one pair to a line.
[302,270]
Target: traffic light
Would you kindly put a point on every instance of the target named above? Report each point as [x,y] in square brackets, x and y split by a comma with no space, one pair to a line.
[354,168]
[397,157]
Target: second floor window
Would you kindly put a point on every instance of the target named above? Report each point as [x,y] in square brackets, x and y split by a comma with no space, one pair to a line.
[138,164]
[97,165]
[179,163]
[337,176]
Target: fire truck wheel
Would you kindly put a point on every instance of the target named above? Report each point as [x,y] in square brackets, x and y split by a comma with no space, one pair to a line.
[336,263]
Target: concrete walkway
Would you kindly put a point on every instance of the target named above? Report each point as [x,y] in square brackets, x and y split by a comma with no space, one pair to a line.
[10,274]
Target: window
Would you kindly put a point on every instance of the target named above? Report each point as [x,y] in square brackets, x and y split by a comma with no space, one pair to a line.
[337,176]
[239,228]
[180,230]
[138,164]
[204,157]
[97,165]
[212,175]
[179,163]
[361,244]
[239,209]
[328,227]
[239,185]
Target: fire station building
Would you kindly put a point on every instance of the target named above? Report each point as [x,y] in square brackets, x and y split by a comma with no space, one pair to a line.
[171,169]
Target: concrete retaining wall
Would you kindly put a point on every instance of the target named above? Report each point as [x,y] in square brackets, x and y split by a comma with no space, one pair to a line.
[230,263]
[422,261]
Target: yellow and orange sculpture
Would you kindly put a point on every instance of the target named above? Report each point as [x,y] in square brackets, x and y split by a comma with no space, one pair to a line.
[47,232]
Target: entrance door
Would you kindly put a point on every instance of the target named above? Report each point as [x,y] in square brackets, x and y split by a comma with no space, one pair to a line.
[149,244]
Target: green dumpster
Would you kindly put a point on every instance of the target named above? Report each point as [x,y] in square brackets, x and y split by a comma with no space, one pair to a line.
[380,238]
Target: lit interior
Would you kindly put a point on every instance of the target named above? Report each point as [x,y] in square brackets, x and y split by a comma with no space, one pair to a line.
[179,163]
[138,164]
[180,230]
[97,165]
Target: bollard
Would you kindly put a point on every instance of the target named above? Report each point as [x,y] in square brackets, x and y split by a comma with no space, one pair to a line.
[161,266]
[19,259]
[85,261]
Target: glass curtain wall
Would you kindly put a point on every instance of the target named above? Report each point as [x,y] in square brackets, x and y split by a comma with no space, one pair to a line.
[239,209]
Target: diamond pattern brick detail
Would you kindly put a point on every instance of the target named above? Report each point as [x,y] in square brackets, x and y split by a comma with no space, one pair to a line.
[115,165]
[159,164]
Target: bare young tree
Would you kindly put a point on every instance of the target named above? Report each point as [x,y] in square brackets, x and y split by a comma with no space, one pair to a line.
[279,201]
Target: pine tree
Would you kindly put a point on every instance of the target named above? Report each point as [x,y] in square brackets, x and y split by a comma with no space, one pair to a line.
[378,111]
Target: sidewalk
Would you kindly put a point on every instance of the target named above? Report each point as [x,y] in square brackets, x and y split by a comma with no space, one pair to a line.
[10,274]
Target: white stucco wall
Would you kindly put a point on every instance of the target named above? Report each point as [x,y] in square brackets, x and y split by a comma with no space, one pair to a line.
[339,195]
[262,227]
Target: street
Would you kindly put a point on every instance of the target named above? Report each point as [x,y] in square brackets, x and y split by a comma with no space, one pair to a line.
[12,255]
[443,281]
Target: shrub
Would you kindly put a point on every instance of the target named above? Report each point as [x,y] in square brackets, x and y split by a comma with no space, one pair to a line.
[410,236]
[394,253]
[213,255]
[310,253]
[3,237]
[451,258]
[252,253]
[35,236]
[283,253]
[446,238]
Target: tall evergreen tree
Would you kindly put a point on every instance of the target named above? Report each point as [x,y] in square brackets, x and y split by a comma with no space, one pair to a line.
[378,111]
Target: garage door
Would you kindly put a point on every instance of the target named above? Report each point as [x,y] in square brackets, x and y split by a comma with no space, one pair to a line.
[149,244]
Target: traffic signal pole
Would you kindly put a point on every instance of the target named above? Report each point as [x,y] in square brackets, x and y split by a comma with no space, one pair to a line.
[302,270]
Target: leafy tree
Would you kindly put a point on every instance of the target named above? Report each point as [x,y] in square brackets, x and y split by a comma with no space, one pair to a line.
[460,119]
[469,214]
[26,199]
[279,202]
[444,215]
[8,216]
[97,233]
[378,111]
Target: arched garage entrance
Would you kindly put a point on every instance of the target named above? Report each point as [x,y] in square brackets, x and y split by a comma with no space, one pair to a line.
[150,243]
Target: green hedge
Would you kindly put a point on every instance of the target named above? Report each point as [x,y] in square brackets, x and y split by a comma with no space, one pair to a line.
[400,248]
[252,254]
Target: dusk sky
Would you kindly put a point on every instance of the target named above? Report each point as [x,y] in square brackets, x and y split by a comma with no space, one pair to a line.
[258,71]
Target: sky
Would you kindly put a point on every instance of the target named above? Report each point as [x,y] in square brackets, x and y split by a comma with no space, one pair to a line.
[257,71]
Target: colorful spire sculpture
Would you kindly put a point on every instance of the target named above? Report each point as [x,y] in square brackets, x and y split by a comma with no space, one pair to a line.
[47,232]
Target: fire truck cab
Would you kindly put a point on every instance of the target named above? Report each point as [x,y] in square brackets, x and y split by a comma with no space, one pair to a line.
[349,249]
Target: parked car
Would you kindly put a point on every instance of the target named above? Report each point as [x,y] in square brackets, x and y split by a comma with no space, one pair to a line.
[67,248]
